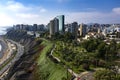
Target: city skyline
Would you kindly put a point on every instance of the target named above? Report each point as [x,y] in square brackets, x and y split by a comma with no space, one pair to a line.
[42,11]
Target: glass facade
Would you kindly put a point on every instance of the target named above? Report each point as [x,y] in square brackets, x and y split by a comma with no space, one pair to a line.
[61,23]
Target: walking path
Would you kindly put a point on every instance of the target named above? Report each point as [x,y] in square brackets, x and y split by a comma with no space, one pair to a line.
[53,55]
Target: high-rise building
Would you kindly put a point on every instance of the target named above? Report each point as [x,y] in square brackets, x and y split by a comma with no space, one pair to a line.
[52,29]
[61,23]
[35,27]
[41,27]
[56,25]
[48,26]
[74,27]
[82,29]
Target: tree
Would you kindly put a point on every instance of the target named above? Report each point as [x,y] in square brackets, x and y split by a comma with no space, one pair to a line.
[83,58]
[101,50]
[91,44]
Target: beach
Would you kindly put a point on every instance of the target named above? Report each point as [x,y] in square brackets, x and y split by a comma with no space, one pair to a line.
[0,51]
[3,47]
[0,47]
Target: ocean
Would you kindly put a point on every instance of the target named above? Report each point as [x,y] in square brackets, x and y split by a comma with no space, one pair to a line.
[2,32]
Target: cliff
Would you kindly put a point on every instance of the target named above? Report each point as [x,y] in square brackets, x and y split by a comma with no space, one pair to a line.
[23,68]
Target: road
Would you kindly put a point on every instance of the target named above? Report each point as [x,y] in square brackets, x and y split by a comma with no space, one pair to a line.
[20,51]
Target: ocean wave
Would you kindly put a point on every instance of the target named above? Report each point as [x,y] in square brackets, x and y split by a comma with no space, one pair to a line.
[0,47]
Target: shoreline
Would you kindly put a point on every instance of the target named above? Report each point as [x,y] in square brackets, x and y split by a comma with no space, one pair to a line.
[0,48]
[12,47]
[6,53]
[4,47]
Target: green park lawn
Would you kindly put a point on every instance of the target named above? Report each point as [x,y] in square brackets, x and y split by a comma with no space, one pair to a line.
[47,68]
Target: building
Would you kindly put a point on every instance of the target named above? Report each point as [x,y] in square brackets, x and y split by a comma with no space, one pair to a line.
[20,27]
[52,27]
[56,25]
[16,27]
[99,31]
[41,28]
[74,27]
[35,27]
[68,28]
[61,23]
[82,29]
[30,28]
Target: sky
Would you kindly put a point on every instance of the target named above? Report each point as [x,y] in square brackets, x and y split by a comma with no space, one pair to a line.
[42,11]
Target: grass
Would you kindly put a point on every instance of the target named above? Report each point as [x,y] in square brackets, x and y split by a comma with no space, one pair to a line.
[49,69]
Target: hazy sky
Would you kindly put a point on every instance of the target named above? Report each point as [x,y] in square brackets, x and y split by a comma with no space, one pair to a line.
[41,11]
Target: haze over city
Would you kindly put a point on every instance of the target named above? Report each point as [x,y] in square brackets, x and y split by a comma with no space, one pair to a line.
[42,11]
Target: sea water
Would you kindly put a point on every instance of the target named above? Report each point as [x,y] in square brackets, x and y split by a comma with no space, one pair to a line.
[2,32]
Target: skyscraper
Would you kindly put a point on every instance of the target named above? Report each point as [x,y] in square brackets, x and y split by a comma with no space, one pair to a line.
[52,31]
[56,25]
[82,29]
[61,23]
[74,28]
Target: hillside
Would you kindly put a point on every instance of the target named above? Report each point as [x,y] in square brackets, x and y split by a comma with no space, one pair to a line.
[35,64]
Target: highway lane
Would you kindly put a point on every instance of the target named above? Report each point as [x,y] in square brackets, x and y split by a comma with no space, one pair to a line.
[20,51]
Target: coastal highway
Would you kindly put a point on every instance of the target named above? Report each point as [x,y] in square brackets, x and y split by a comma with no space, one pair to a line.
[20,51]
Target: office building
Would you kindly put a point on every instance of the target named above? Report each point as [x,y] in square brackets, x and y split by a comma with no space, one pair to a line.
[41,27]
[56,25]
[35,27]
[52,29]
[82,29]
[74,27]
[61,23]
